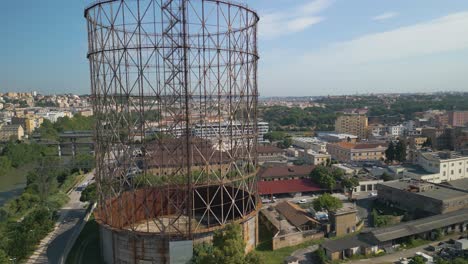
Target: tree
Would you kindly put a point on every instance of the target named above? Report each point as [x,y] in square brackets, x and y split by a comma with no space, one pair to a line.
[228,247]
[417,260]
[89,193]
[438,234]
[286,143]
[83,162]
[350,183]
[400,151]
[390,152]
[4,257]
[274,136]
[323,177]
[203,253]
[320,257]
[327,202]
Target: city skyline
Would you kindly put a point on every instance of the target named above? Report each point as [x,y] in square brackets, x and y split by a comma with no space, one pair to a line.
[309,48]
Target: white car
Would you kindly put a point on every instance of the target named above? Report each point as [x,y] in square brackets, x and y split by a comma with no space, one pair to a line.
[373,194]
[302,201]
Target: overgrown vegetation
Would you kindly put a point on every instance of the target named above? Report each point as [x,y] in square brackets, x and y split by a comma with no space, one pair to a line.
[228,247]
[25,220]
[51,131]
[326,176]
[327,202]
[398,109]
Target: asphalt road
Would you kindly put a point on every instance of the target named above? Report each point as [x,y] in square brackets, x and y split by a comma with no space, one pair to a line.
[406,253]
[52,247]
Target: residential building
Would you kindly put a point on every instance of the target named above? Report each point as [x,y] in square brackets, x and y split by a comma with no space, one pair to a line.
[349,152]
[440,137]
[353,124]
[311,157]
[225,129]
[448,165]
[9,132]
[312,143]
[458,118]
[396,131]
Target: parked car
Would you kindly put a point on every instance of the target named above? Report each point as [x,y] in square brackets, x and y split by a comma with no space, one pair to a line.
[302,201]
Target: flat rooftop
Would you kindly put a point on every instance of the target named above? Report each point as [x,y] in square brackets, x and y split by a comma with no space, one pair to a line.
[443,155]
[416,170]
[431,190]
[419,226]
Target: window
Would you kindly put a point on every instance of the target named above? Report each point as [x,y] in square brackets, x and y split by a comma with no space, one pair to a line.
[451,172]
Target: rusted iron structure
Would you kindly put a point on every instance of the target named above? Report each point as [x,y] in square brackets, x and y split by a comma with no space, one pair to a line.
[174,90]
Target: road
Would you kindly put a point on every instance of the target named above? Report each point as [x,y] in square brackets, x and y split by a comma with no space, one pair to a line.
[66,230]
[407,253]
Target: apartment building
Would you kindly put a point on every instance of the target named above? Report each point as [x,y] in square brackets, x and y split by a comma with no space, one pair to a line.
[348,152]
[11,132]
[458,118]
[312,143]
[354,124]
[447,165]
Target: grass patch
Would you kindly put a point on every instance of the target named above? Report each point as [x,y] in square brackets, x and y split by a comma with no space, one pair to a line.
[86,248]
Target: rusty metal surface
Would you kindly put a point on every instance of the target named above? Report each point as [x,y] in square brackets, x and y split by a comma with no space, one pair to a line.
[174,91]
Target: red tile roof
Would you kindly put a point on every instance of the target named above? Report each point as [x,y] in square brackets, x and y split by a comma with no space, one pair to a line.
[287,186]
[285,171]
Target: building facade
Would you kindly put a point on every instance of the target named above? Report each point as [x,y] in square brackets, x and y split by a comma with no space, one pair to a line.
[458,118]
[11,132]
[348,152]
[354,124]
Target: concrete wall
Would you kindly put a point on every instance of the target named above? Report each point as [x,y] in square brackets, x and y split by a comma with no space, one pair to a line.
[297,238]
[344,224]
[125,247]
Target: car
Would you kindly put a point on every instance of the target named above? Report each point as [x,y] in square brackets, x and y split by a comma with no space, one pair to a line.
[373,194]
[266,201]
[302,201]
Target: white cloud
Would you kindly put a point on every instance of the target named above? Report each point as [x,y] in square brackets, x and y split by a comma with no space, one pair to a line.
[385,16]
[426,56]
[299,18]
[439,35]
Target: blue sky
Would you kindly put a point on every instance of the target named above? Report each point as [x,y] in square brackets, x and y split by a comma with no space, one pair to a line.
[307,47]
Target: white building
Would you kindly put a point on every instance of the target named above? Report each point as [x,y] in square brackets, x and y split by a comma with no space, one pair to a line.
[55,115]
[396,130]
[312,143]
[366,184]
[263,128]
[226,129]
[311,157]
[441,166]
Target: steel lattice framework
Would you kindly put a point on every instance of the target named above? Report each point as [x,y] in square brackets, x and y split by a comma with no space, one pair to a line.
[174,86]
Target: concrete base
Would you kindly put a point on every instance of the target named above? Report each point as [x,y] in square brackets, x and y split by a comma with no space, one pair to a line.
[127,247]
